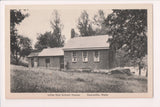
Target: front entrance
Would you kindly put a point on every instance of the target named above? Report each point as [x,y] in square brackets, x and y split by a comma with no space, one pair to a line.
[61,62]
[32,62]
[47,62]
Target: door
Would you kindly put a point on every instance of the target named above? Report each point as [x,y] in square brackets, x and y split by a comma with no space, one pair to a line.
[32,62]
[61,62]
[47,62]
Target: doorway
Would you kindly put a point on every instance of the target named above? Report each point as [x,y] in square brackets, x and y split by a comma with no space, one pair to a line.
[32,62]
[61,62]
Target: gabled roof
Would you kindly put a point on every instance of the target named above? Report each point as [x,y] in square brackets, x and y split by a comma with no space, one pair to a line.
[51,52]
[87,43]
[33,54]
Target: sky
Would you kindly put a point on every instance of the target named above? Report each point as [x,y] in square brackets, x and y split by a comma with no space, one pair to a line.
[38,22]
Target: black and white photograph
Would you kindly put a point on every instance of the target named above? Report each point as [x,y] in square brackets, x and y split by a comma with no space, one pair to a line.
[79,51]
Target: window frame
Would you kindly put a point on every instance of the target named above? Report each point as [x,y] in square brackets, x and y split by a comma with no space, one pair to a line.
[47,60]
[72,55]
[94,56]
[86,56]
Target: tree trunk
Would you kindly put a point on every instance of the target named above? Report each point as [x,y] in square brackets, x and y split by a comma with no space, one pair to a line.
[17,61]
[139,65]
[146,73]
[17,58]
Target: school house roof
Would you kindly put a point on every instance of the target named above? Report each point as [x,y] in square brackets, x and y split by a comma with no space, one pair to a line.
[51,52]
[87,43]
[33,54]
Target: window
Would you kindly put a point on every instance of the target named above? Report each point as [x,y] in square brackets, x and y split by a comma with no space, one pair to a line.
[74,57]
[47,60]
[96,56]
[85,56]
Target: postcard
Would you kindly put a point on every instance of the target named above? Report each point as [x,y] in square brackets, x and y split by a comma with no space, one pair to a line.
[78,51]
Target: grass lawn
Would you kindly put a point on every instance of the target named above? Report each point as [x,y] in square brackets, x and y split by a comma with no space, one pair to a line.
[37,80]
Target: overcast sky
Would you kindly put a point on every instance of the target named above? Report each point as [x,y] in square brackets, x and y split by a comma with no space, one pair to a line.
[39,22]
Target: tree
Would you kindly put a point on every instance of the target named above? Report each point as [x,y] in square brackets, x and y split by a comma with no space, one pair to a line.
[57,27]
[99,22]
[23,48]
[16,17]
[52,38]
[72,33]
[128,30]
[84,25]
[43,40]
[46,40]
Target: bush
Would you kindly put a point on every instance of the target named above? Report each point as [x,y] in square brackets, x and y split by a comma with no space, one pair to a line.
[122,71]
[80,79]
[13,61]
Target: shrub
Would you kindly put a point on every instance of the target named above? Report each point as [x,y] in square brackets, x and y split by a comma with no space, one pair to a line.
[13,61]
[80,79]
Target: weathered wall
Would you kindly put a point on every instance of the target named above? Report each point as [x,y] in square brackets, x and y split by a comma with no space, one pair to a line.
[35,61]
[29,62]
[112,59]
[54,62]
[104,62]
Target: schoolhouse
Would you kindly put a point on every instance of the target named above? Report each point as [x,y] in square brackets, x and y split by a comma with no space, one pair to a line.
[91,52]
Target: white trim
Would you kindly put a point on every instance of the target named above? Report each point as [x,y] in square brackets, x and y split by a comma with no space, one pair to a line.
[94,48]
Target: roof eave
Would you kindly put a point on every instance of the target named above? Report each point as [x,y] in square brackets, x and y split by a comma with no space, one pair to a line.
[31,56]
[49,55]
[92,48]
